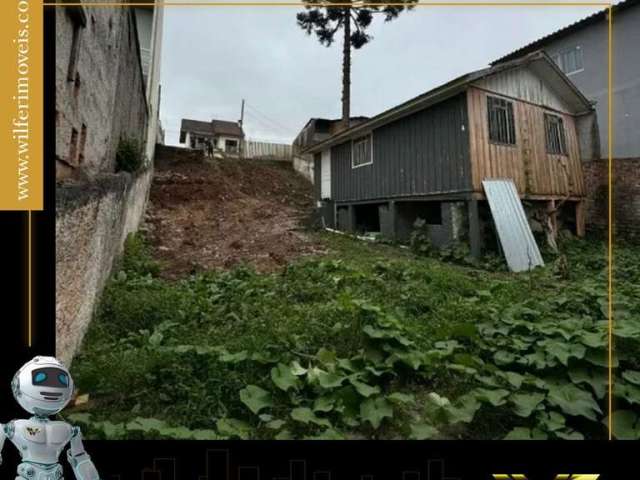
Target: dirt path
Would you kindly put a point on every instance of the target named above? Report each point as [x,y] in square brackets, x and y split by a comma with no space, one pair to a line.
[209,216]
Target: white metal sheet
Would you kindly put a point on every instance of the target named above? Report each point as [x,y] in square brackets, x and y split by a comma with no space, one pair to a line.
[518,244]
[325,174]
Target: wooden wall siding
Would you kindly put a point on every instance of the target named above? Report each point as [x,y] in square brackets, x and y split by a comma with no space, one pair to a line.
[533,170]
[424,153]
[524,84]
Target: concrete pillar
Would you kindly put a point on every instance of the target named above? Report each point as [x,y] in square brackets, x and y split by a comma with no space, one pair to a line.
[351,219]
[475,233]
[387,215]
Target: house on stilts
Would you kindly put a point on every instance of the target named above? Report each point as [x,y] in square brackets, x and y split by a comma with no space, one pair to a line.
[521,120]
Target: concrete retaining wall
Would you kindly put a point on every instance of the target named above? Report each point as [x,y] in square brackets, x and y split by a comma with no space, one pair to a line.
[93,220]
[304,166]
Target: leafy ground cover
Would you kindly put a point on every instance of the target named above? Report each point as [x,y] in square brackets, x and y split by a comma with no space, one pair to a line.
[366,341]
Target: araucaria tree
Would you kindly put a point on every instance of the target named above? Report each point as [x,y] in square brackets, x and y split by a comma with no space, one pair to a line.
[353,18]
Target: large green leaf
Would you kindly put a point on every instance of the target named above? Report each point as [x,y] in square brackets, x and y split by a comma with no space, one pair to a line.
[526,403]
[255,398]
[563,351]
[283,377]
[323,404]
[330,379]
[374,410]
[631,376]
[364,389]
[595,377]
[423,431]
[463,410]
[231,427]
[521,433]
[574,401]
[398,397]
[626,425]
[306,415]
[495,397]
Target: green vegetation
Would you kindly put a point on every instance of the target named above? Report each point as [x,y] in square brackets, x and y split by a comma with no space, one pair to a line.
[369,341]
[129,155]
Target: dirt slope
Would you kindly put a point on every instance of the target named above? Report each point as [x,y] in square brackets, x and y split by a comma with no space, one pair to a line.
[207,216]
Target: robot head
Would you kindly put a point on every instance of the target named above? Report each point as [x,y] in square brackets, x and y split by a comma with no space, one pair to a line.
[42,386]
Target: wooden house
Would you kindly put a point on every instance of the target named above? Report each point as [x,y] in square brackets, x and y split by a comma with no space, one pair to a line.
[521,120]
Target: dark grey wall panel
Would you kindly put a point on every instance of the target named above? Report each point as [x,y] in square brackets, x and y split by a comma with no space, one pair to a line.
[424,153]
[316,176]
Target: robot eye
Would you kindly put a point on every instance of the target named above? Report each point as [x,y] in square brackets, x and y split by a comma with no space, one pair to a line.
[39,377]
[63,379]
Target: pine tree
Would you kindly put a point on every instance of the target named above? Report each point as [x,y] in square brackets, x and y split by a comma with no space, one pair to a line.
[326,22]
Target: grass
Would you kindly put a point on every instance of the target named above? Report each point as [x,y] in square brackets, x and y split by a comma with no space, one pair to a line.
[368,341]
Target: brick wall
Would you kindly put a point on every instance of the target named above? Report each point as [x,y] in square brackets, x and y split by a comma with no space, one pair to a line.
[626,199]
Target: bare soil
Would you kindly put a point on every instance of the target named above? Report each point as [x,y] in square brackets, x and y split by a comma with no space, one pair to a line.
[216,215]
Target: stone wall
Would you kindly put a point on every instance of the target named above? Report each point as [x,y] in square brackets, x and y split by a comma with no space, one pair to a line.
[100,93]
[92,221]
[626,200]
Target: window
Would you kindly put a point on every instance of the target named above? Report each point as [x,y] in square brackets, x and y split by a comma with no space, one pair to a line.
[570,60]
[501,123]
[83,142]
[79,20]
[554,128]
[73,147]
[231,146]
[361,152]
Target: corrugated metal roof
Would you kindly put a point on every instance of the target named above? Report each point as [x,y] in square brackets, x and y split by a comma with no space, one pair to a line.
[585,22]
[518,244]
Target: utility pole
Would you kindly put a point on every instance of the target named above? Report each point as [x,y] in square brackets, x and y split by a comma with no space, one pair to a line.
[242,140]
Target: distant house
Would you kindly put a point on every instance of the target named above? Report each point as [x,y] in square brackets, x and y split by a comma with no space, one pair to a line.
[314,131]
[581,51]
[317,129]
[522,120]
[225,136]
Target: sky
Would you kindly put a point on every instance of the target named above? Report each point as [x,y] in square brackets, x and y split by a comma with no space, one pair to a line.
[215,56]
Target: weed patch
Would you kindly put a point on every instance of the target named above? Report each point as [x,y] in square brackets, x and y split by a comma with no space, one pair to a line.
[368,341]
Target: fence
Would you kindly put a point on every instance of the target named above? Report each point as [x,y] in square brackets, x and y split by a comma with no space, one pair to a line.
[267,151]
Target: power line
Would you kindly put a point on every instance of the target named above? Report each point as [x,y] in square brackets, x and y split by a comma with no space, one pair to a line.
[267,117]
[270,125]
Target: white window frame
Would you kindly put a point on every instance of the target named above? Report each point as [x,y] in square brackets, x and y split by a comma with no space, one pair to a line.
[558,58]
[367,138]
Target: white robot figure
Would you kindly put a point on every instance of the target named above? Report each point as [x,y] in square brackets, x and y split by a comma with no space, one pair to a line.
[43,387]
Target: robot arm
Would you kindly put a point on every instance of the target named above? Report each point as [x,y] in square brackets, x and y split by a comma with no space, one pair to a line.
[3,437]
[83,467]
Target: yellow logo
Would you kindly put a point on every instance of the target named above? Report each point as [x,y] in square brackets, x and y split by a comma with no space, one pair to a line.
[33,431]
[562,476]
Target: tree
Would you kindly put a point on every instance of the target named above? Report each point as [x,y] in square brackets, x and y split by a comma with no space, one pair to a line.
[353,19]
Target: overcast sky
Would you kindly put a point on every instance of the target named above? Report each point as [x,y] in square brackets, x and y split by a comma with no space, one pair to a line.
[213,57]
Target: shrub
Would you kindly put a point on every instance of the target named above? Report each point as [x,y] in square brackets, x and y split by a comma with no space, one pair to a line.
[129,156]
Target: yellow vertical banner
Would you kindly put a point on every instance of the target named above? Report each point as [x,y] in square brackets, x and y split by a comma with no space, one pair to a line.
[21,109]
